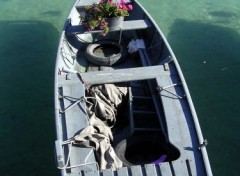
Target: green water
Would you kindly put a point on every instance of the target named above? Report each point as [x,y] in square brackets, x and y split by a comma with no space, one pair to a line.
[204,35]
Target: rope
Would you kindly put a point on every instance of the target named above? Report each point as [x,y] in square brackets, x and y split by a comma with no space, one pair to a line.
[69,47]
[120,37]
[72,105]
[79,101]
[64,54]
[70,142]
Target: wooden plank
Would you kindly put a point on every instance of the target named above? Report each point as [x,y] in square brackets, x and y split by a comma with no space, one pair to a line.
[81,155]
[165,169]
[127,25]
[114,76]
[122,171]
[91,173]
[172,110]
[136,171]
[75,117]
[180,167]
[107,172]
[176,112]
[84,3]
[150,170]
[75,120]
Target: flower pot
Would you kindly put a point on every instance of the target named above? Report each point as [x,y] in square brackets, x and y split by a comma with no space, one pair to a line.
[115,23]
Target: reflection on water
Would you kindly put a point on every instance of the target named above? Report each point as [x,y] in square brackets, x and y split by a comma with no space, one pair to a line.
[223,13]
[52,13]
[210,63]
[204,35]
[26,76]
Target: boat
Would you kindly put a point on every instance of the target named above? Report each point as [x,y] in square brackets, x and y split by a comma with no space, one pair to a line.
[122,105]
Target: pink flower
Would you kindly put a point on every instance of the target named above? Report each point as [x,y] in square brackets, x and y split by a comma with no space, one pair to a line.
[104,34]
[120,6]
[125,7]
[130,7]
[101,27]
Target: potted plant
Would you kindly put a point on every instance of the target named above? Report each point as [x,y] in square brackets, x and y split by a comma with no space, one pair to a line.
[97,15]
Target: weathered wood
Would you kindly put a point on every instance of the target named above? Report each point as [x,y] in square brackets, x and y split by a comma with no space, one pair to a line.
[174,113]
[91,173]
[122,171]
[114,76]
[127,25]
[136,171]
[180,167]
[84,3]
[150,170]
[107,172]
[75,120]
[165,169]
[178,117]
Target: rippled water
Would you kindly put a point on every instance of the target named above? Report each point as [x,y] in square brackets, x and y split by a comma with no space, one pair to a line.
[204,35]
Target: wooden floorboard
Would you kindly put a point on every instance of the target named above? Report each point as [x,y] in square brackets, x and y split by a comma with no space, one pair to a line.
[164,169]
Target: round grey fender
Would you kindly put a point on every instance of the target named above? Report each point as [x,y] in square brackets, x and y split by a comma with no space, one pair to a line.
[105,53]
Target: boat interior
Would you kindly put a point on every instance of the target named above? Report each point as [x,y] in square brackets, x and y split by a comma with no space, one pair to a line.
[154,121]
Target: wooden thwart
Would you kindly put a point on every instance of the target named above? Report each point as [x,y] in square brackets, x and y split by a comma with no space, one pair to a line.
[114,76]
[85,3]
[127,25]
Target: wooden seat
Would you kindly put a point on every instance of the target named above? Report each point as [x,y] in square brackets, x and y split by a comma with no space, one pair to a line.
[127,25]
[114,76]
[84,3]
[73,119]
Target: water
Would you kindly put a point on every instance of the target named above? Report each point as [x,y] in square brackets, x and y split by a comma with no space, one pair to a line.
[204,35]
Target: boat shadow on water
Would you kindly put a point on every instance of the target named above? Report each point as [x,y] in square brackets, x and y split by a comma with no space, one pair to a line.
[208,54]
[26,76]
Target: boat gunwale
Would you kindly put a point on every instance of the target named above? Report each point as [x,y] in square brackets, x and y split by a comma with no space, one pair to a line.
[188,96]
